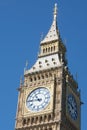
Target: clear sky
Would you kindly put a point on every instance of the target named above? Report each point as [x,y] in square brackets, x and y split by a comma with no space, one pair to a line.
[21,24]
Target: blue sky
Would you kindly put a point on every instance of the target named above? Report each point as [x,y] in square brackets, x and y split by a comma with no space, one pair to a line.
[21,24]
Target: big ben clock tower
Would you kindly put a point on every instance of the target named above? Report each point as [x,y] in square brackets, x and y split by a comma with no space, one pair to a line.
[49,98]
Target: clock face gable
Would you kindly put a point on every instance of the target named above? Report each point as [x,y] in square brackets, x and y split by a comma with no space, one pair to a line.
[72,107]
[38,100]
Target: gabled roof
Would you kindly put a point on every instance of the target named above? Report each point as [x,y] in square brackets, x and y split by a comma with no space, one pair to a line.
[45,63]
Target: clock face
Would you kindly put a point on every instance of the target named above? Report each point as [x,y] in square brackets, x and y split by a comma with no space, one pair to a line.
[38,99]
[72,107]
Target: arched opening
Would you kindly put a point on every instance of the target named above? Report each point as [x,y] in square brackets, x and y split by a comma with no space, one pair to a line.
[42,76]
[24,122]
[28,121]
[38,77]
[34,78]
[43,50]
[54,48]
[31,79]
[46,49]
[51,49]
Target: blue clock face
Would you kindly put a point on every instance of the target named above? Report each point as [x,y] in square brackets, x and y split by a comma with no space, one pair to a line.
[38,99]
[72,107]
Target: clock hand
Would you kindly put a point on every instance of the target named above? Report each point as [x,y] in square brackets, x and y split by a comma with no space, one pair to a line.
[71,104]
[32,100]
[36,96]
[39,99]
[35,100]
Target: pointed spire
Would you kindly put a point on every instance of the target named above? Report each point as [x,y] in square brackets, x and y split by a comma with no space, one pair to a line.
[55,11]
[53,31]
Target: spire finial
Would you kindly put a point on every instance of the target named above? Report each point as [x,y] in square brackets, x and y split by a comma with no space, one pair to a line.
[21,81]
[26,66]
[41,36]
[55,11]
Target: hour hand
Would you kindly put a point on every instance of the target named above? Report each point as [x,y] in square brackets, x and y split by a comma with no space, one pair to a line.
[39,99]
[32,100]
[36,96]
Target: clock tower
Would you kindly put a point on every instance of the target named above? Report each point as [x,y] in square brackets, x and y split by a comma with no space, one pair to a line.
[49,98]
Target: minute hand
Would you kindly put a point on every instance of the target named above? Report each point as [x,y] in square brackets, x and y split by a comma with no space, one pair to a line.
[35,100]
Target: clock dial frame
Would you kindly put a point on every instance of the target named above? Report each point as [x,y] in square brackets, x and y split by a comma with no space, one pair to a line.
[38,99]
